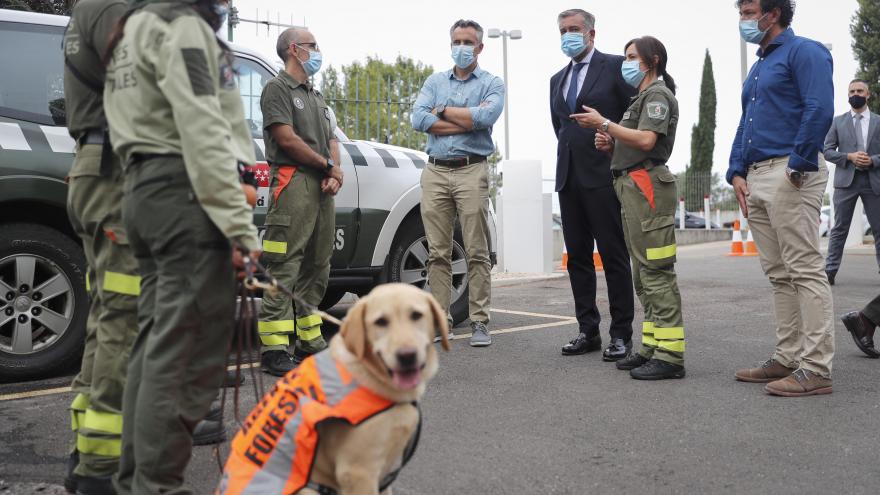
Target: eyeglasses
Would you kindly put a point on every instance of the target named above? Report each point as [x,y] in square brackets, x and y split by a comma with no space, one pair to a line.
[307,46]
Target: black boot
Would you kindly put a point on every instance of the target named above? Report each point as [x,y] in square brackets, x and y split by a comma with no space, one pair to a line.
[299,356]
[231,381]
[209,433]
[276,363]
[214,412]
[631,362]
[70,478]
[656,369]
[95,485]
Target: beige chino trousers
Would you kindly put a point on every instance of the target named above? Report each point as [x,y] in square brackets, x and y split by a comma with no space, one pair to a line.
[785,224]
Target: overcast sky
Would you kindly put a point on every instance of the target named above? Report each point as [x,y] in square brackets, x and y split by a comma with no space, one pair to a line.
[349,30]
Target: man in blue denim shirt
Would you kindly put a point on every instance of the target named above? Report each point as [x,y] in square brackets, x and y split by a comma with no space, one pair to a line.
[779,177]
[457,109]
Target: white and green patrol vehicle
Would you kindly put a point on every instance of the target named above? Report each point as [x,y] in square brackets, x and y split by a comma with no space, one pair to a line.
[43,298]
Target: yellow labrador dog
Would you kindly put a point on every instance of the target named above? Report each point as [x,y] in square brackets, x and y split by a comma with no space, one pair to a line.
[346,419]
[385,343]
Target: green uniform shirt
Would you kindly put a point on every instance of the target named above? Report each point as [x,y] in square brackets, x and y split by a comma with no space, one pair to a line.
[288,101]
[654,109]
[84,45]
[171,89]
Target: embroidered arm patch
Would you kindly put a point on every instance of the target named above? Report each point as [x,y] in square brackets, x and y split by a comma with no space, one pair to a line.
[197,69]
[657,110]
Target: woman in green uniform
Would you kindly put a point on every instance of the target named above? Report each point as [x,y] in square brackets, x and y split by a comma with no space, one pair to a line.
[640,146]
[176,120]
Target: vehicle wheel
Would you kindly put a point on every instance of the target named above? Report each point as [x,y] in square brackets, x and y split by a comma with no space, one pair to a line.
[43,302]
[409,259]
[331,298]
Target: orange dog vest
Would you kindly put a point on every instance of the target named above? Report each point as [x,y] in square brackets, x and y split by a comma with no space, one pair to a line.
[276,447]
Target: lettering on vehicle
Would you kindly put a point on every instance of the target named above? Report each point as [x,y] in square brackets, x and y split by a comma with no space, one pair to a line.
[340,239]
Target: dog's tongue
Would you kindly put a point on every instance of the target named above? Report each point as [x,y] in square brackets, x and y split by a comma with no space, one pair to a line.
[408,379]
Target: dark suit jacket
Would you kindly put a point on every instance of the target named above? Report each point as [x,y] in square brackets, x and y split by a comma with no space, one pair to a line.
[605,90]
[841,139]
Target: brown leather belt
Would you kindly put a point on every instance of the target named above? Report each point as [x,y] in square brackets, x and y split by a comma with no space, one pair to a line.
[457,162]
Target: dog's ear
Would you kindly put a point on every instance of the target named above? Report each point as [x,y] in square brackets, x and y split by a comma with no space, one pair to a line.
[440,323]
[354,329]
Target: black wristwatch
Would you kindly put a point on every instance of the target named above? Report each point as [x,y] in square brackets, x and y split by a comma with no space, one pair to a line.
[440,109]
[796,177]
[329,166]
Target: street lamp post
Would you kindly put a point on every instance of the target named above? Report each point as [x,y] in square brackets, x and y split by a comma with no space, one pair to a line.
[514,34]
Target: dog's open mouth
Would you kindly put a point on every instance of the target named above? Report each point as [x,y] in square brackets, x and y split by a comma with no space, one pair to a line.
[406,378]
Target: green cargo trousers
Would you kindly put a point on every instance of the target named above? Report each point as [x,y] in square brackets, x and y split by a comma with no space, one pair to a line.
[93,205]
[297,248]
[648,200]
[185,318]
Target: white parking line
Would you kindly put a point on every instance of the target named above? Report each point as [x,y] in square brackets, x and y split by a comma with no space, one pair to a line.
[524,313]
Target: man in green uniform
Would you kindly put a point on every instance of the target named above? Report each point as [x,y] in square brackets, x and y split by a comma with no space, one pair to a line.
[93,204]
[177,122]
[300,223]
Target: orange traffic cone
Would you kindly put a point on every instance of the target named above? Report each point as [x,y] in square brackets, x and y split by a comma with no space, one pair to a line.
[736,247]
[564,258]
[597,260]
[751,248]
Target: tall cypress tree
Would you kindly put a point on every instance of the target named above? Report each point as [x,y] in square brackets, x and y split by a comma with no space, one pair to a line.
[865,30]
[699,172]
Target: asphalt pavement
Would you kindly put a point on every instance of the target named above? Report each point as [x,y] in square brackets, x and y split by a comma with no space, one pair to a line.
[519,418]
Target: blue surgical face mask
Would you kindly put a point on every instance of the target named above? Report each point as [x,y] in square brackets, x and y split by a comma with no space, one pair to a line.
[750,31]
[573,44]
[632,74]
[313,64]
[463,56]
[221,10]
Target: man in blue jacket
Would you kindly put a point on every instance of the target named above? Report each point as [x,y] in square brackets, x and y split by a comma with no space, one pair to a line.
[779,177]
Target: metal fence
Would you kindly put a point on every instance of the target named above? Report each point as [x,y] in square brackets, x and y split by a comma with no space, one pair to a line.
[693,187]
[376,109]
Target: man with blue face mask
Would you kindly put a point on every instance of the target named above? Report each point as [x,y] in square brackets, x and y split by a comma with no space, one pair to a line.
[779,175]
[590,208]
[457,109]
[303,152]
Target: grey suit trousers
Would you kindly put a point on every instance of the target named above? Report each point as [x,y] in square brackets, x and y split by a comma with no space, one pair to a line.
[844,205]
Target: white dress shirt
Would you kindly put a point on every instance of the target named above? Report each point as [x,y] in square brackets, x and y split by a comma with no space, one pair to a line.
[866,119]
[581,75]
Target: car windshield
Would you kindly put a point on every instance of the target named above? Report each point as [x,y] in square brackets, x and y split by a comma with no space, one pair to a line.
[34,90]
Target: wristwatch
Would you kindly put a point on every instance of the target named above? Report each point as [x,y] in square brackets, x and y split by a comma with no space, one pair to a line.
[605,125]
[796,177]
[440,109]
[329,166]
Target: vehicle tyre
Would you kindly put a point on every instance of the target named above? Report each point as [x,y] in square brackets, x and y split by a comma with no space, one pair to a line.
[408,261]
[43,302]
[331,298]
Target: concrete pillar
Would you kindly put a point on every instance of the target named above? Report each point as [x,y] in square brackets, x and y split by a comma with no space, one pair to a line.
[527,235]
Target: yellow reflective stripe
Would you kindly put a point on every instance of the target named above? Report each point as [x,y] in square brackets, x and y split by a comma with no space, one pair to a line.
[274,247]
[661,252]
[647,327]
[669,333]
[88,283]
[121,283]
[103,422]
[76,419]
[269,339]
[107,447]
[671,345]
[312,334]
[649,341]
[310,321]
[80,402]
[280,326]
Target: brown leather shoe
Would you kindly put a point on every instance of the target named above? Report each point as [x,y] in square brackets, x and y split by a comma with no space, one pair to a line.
[862,331]
[800,384]
[769,371]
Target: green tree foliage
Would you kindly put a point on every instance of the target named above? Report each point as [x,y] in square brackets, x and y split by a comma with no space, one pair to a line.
[699,172]
[57,7]
[865,30]
[373,100]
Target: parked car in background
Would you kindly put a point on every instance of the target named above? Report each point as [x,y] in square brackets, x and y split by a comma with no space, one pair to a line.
[693,221]
[826,223]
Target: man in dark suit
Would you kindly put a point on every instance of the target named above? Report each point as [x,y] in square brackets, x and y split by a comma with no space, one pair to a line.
[590,209]
[853,145]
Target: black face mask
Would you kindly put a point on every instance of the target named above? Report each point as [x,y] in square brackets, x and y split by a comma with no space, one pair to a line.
[857,101]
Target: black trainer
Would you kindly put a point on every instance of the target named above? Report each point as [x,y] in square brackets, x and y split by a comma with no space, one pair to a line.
[276,363]
[209,432]
[631,362]
[70,478]
[656,369]
[95,485]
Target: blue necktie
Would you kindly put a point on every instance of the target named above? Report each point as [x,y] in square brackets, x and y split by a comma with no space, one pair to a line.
[572,96]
